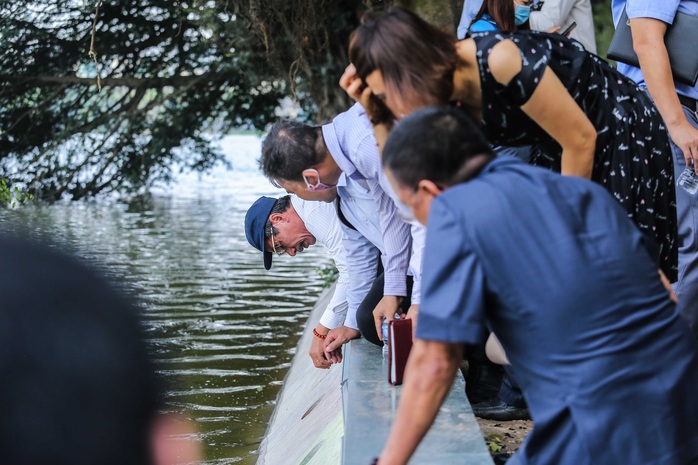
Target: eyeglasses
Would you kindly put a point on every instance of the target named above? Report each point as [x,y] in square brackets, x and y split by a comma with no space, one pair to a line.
[278,249]
[318,186]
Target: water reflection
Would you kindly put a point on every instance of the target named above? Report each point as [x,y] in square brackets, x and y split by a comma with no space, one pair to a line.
[224,328]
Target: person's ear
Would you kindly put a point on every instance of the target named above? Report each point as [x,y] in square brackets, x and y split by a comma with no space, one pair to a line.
[172,441]
[429,187]
[312,175]
[278,218]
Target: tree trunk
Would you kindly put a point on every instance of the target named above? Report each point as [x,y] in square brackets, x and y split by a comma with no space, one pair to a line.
[443,13]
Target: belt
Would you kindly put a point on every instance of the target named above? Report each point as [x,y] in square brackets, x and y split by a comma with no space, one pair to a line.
[688,102]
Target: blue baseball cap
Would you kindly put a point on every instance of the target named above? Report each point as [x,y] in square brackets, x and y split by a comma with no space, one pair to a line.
[255,221]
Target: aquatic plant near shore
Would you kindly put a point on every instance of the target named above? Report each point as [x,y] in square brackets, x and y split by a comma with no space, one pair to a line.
[328,274]
[12,197]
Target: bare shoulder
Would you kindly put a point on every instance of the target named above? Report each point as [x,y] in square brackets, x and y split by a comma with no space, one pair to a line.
[504,61]
[466,50]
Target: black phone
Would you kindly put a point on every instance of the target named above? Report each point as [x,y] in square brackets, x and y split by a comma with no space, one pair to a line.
[569,29]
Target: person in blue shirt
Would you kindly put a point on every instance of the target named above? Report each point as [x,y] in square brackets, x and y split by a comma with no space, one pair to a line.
[601,125]
[678,105]
[553,266]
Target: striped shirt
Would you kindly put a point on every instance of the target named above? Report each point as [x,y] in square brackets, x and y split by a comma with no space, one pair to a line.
[349,139]
[320,219]
[363,245]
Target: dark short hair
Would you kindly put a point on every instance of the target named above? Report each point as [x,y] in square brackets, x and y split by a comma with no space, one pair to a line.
[78,386]
[289,148]
[417,60]
[280,206]
[435,143]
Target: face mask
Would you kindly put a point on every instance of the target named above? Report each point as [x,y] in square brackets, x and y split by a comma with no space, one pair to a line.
[521,14]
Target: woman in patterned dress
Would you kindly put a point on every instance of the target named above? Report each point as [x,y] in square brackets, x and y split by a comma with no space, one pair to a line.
[528,88]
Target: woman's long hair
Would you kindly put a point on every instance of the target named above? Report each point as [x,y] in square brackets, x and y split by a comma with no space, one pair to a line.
[416,59]
[502,13]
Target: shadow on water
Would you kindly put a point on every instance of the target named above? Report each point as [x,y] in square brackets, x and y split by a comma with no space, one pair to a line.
[224,329]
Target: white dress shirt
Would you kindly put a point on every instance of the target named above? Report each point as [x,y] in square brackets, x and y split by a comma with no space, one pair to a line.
[320,219]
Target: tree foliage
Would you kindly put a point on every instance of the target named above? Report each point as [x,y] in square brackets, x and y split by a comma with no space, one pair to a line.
[307,40]
[171,71]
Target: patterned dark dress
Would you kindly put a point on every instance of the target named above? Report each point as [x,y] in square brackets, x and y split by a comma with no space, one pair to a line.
[633,158]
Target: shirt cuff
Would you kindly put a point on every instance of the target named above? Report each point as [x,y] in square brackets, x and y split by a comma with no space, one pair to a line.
[416,292]
[331,320]
[394,284]
[350,320]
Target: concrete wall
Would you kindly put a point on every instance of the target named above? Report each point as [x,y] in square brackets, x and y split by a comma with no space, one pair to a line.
[307,425]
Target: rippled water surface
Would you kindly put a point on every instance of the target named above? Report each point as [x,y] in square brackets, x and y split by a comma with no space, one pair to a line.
[225,329]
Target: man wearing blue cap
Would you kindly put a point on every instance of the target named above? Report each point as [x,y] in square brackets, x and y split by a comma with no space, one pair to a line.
[340,160]
[289,225]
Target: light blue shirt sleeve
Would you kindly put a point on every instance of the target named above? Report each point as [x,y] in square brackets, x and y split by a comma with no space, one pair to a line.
[419,233]
[362,266]
[470,9]
[453,283]
[395,232]
[350,141]
[664,10]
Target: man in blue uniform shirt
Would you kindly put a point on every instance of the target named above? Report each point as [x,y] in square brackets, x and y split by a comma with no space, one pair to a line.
[678,105]
[553,266]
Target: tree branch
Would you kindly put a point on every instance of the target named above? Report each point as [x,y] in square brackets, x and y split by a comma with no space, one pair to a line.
[157,82]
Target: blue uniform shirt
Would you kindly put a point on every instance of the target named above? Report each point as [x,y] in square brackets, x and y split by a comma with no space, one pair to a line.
[663,10]
[555,268]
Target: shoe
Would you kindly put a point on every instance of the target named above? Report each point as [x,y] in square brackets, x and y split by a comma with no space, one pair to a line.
[496,409]
[500,459]
[482,381]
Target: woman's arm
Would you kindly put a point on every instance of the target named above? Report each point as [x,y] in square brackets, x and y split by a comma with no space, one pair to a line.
[552,107]
[355,88]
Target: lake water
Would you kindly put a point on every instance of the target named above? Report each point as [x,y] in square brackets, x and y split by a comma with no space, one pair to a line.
[224,328]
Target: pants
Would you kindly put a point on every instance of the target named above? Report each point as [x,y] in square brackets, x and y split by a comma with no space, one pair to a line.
[486,379]
[686,288]
[364,314]
[509,391]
